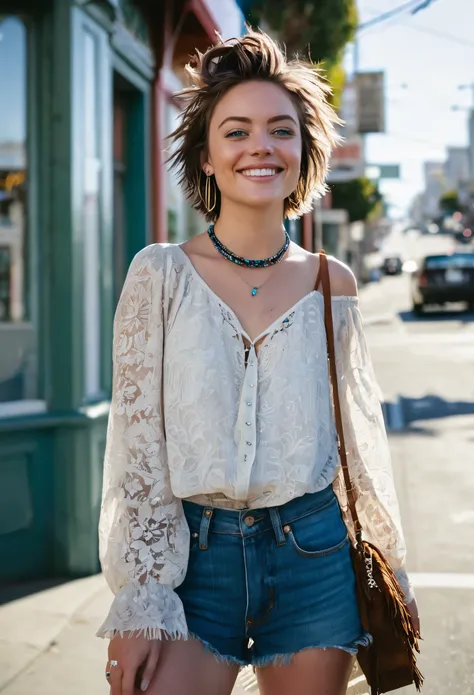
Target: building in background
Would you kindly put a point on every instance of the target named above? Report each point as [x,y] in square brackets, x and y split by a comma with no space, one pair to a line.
[456,167]
[87,99]
[440,177]
[457,172]
[435,186]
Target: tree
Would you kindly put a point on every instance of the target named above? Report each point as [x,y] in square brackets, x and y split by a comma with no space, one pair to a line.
[322,26]
[360,197]
[315,29]
[449,202]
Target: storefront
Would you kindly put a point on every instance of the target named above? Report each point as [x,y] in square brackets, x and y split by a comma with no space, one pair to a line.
[84,107]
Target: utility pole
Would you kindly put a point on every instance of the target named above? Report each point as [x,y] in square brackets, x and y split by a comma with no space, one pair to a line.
[470,132]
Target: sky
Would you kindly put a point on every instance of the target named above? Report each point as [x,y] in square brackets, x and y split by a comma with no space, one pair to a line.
[425,58]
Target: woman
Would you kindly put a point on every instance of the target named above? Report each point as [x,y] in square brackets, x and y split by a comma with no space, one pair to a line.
[224,528]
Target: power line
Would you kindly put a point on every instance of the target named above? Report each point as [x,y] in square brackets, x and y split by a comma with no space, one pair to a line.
[413,6]
[423,6]
[388,15]
[431,32]
[441,35]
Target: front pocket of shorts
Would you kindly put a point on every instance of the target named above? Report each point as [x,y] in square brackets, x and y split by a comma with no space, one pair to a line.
[316,553]
[319,534]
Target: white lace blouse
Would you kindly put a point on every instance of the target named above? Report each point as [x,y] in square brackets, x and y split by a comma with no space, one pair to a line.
[189,419]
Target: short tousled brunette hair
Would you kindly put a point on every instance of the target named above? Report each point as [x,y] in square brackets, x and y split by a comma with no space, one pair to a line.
[255,56]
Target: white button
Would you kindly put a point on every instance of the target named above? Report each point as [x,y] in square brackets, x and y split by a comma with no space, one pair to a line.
[249,443]
[252,386]
[249,403]
[248,424]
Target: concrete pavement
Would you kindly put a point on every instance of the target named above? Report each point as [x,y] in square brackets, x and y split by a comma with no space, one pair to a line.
[48,644]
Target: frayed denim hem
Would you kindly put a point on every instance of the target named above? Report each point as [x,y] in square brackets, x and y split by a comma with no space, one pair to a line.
[229,660]
[283,659]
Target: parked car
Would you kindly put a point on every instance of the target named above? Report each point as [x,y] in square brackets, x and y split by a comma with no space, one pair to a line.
[392,265]
[443,278]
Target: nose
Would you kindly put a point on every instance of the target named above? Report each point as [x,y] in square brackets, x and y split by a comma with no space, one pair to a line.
[261,145]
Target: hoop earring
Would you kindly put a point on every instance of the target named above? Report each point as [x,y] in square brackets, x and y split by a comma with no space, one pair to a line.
[207,194]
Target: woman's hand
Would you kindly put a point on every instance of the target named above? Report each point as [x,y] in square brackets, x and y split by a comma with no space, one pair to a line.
[135,655]
[414,617]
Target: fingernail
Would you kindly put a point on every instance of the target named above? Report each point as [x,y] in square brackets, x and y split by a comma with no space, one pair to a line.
[144,686]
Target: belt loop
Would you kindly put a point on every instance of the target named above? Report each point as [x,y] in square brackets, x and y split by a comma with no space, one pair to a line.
[204,527]
[277,527]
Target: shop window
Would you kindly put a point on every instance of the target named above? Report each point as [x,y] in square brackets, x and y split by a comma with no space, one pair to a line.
[18,368]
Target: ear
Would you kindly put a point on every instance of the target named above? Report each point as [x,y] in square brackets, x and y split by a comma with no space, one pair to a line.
[207,169]
[206,164]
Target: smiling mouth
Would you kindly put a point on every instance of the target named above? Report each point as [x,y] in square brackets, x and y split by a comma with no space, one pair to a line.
[261,174]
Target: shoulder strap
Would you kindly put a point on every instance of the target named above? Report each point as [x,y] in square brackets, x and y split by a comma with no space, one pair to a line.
[326,284]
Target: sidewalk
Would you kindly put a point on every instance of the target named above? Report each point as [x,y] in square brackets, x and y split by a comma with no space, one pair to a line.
[48,644]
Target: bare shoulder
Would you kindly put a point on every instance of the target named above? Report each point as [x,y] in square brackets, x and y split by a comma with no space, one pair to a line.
[343,282]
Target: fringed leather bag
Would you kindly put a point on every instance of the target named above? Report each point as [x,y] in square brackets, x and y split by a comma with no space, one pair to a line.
[389,662]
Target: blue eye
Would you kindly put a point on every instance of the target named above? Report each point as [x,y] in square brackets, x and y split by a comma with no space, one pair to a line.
[286,132]
[236,134]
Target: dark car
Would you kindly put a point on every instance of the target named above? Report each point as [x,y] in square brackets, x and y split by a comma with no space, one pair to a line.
[392,265]
[443,278]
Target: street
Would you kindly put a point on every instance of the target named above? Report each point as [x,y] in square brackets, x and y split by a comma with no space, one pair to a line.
[425,367]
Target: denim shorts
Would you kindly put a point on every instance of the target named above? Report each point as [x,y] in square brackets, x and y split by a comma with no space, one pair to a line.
[263,584]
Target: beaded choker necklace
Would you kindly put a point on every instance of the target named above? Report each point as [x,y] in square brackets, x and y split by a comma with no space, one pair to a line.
[248,263]
[240,260]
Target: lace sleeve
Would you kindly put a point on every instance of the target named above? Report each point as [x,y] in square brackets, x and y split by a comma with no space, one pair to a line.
[366,442]
[143,534]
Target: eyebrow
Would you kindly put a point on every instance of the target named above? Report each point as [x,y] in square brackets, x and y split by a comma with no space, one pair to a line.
[243,119]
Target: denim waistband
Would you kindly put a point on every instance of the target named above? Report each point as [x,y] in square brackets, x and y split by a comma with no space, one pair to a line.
[204,519]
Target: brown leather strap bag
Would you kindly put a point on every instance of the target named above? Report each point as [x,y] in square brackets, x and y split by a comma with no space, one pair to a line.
[390,661]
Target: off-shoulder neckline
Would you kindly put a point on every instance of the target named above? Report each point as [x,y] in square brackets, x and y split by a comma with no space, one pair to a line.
[228,308]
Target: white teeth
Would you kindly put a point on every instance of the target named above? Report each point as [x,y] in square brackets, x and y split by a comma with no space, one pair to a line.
[259,172]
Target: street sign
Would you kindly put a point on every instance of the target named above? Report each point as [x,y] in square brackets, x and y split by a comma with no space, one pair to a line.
[347,161]
[383,171]
[371,101]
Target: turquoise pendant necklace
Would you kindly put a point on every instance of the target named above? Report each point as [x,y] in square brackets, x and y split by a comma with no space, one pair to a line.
[254,289]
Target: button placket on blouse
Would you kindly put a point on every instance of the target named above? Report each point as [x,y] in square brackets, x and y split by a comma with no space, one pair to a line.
[247,425]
